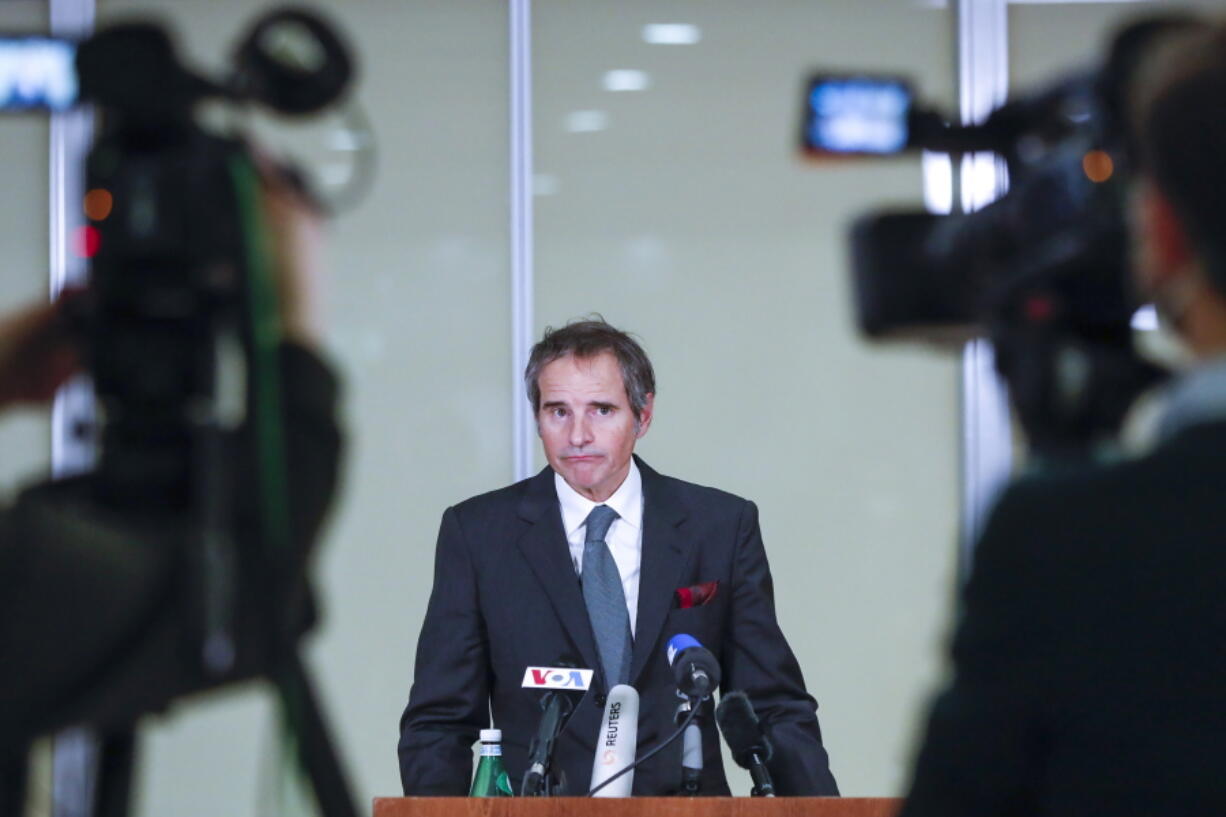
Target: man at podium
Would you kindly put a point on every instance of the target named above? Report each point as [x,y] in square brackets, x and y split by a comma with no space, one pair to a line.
[597,561]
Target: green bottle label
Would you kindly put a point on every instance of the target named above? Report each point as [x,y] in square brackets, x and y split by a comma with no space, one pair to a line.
[491,779]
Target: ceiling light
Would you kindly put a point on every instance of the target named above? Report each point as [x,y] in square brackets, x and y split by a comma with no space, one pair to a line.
[586,121]
[626,79]
[671,34]
[545,184]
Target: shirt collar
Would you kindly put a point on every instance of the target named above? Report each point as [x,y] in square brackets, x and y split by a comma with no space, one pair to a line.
[1197,396]
[627,500]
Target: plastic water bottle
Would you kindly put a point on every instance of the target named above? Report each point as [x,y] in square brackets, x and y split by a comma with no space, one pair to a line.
[491,778]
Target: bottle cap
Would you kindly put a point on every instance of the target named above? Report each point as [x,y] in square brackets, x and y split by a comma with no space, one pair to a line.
[491,736]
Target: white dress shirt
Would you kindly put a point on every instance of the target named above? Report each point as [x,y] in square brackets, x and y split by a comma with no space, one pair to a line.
[625,536]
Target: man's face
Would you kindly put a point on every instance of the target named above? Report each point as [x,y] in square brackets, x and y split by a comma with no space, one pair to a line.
[586,424]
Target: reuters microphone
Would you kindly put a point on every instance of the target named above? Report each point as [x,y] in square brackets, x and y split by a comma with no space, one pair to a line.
[615,745]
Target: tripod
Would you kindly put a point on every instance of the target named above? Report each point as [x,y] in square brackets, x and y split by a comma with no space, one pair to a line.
[316,753]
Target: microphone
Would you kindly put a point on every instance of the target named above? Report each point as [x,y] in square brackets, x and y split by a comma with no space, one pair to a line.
[557,705]
[749,745]
[615,745]
[695,668]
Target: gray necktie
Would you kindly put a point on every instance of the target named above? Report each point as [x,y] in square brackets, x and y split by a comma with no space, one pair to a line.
[606,602]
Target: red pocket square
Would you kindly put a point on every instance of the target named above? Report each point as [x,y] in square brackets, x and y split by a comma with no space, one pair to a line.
[696,595]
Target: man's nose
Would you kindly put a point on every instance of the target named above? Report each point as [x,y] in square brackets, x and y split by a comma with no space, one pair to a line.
[580,432]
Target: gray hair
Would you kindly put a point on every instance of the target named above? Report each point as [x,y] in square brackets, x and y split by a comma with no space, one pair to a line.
[586,339]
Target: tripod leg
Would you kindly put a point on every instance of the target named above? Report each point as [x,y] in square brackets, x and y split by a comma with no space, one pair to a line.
[14,772]
[116,763]
[316,752]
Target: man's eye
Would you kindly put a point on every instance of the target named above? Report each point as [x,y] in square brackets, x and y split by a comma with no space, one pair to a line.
[604,411]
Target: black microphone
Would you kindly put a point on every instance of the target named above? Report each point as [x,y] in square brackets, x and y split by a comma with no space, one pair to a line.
[557,703]
[749,745]
[695,668]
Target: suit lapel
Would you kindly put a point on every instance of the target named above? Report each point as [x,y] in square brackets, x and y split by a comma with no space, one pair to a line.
[665,554]
[544,546]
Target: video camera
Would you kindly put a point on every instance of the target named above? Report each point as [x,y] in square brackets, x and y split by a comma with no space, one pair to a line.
[180,278]
[182,342]
[1043,271]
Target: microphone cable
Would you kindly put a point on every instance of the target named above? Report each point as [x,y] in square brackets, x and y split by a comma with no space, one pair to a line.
[654,750]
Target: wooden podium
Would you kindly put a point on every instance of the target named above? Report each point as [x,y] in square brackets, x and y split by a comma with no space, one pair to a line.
[636,806]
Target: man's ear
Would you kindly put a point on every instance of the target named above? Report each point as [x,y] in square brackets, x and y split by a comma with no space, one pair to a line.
[645,415]
[1165,240]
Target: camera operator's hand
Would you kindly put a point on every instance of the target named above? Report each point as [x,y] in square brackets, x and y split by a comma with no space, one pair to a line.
[296,228]
[37,354]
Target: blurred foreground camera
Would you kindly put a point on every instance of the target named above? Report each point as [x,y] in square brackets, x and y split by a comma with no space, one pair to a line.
[217,444]
[1043,271]
[181,277]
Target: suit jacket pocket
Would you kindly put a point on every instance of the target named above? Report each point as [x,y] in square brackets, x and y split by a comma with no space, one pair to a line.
[703,623]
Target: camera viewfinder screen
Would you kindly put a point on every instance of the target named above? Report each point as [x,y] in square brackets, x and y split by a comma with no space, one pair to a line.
[36,73]
[856,116]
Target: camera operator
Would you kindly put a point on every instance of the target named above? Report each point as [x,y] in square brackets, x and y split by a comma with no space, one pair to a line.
[1089,662]
[96,609]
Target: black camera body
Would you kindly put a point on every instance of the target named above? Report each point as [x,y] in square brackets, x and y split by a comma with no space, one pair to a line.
[167,303]
[182,314]
[1056,218]
[1043,271]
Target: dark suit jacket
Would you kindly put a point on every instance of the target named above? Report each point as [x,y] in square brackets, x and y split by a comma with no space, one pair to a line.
[1090,659]
[506,597]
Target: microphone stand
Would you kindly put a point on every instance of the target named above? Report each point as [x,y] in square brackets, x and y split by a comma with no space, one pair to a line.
[763,786]
[538,781]
[691,749]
